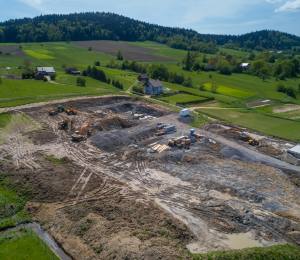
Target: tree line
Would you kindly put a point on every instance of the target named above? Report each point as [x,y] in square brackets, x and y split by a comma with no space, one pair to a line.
[110,26]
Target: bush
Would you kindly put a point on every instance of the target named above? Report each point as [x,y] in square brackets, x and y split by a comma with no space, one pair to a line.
[80,81]
[45,79]
[1,52]
[97,63]
[0,80]
[7,53]
[214,87]
[188,82]
[90,48]
[53,76]
[281,87]
[138,89]
[202,87]
[291,92]
[84,73]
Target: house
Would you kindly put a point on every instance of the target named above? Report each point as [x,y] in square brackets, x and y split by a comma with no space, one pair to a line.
[73,71]
[209,67]
[39,76]
[45,70]
[153,87]
[143,78]
[279,52]
[271,51]
[295,151]
[245,66]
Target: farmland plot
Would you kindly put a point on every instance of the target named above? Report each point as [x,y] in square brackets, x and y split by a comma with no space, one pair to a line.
[230,91]
[104,46]
[183,99]
[14,50]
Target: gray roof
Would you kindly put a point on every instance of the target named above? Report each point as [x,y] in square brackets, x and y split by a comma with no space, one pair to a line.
[155,83]
[45,69]
[295,149]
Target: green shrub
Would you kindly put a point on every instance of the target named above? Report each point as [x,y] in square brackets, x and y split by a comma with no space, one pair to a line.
[202,87]
[45,79]
[90,48]
[53,76]
[281,87]
[81,81]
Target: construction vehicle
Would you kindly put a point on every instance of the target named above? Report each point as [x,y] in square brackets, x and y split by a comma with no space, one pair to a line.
[65,124]
[71,111]
[254,142]
[59,109]
[78,136]
[166,129]
[246,137]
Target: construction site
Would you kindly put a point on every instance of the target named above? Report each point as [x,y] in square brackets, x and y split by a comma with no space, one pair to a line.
[116,177]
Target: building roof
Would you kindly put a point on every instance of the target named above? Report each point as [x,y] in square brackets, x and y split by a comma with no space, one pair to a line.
[75,72]
[245,64]
[144,76]
[38,74]
[295,149]
[45,69]
[156,83]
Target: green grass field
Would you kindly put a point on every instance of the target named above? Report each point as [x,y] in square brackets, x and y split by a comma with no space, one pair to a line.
[38,54]
[279,127]
[230,91]
[183,98]
[21,245]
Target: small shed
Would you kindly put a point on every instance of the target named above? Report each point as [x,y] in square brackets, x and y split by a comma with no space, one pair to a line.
[295,151]
[39,76]
[184,112]
[45,70]
[245,66]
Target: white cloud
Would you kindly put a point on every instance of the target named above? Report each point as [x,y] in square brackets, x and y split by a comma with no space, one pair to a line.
[289,6]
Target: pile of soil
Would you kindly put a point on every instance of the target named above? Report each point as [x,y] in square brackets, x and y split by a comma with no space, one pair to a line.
[270,150]
[186,119]
[113,123]
[40,137]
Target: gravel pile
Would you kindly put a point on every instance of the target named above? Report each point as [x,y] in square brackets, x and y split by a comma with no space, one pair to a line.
[236,154]
[186,119]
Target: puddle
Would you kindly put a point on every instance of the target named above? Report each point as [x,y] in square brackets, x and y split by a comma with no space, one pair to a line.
[240,241]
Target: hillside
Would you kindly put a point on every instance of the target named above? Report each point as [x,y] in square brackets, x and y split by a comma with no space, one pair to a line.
[110,26]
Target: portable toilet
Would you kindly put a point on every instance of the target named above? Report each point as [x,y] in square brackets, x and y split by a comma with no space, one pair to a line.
[192,131]
[184,112]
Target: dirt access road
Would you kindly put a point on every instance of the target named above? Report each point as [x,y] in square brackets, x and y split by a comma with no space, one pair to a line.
[219,189]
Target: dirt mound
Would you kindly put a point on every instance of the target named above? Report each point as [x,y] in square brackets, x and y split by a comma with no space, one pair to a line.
[186,119]
[113,123]
[236,154]
[270,150]
[135,109]
[42,136]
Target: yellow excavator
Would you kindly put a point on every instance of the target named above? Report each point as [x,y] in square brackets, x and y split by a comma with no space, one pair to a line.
[244,136]
[180,142]
[71,111]
[65,124]
[78,136]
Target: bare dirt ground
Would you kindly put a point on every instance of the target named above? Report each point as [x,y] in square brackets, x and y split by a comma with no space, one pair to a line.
[141,57]
[272,146]
[14,48]
[286,108]
[260,103]
[116,201]
[108,46]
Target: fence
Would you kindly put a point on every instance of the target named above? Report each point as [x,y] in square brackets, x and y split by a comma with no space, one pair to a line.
[33,98]
[19,221]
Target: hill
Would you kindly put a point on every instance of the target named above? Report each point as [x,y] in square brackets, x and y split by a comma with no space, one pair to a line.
[110,26]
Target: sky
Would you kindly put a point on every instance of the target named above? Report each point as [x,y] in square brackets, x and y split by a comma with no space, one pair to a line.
[204,16]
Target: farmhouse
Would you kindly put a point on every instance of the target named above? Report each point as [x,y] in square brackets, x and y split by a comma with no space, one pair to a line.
[245,66]
[143,78]
[73,71]
[279,52]
[153,87]
[45,70]
[39,76]
[209,67]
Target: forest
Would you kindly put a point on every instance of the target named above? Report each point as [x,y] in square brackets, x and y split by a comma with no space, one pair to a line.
[110,26]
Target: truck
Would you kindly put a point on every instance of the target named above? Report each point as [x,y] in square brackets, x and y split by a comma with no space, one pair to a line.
[184,112]
[168,129]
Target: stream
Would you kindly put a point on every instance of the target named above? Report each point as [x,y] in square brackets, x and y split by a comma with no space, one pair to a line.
[37,229]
